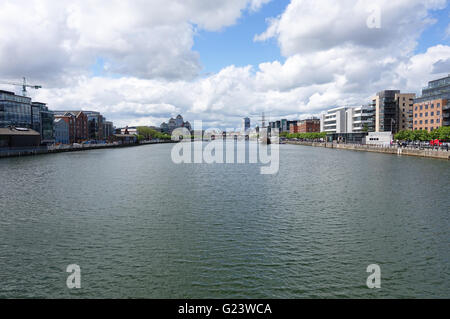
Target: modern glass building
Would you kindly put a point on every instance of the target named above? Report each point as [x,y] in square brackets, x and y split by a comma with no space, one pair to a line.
[95,125]
[386,111]
[15,110]
[42,122]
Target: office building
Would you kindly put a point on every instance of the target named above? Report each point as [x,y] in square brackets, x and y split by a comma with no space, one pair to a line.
[360,119]
[42,122]
[334,121]
[61,129]
[15,110]
[348,124]
[387,111]
[431,109]
[95,125]
[405,102]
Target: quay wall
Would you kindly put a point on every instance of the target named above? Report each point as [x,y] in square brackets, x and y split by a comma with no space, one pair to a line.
[49,150]
[430,153]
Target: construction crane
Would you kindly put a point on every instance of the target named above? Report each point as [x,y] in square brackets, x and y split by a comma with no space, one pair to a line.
[24,86]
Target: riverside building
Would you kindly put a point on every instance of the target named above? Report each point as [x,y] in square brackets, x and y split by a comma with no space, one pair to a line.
[19,111]
[431,109]
[393,111]
[349,124]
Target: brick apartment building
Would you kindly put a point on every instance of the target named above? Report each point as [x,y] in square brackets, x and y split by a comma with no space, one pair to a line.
[431,110]
[78,125]
[306,126]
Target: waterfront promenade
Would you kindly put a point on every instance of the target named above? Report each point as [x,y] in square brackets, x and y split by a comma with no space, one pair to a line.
[394,149]
[29,151]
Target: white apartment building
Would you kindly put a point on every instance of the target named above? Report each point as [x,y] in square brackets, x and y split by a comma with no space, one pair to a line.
[348,120]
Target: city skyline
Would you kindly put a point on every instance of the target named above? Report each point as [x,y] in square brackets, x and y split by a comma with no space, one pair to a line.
[222,62]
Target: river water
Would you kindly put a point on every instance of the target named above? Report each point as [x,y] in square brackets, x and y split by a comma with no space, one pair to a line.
[140,226]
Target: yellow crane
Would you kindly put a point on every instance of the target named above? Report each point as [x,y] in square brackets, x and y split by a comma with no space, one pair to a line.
[24,86]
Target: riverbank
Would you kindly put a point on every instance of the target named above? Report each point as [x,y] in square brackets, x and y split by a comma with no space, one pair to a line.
[16,152]
[430,153]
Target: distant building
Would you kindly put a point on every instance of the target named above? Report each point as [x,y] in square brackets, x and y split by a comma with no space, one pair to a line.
[431,109]
[61,131]
[108,129]
[179,121]
[173,124]
[305,126]
[164,127]
[246,124]
[132,130]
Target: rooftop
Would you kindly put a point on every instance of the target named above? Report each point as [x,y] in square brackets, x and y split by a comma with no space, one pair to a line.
[17,131]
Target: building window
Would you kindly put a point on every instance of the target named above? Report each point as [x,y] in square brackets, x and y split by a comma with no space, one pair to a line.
[438,105]
[421,107]
[432,106]
[415,108]
[438,121]
[438,113]
[431,121]
[420,122]
[432,114]
[421,114]
[426,114]
[415,122]
[426,107]
[426,121]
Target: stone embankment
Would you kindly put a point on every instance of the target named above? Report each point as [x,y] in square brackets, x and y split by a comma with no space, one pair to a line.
[409,151]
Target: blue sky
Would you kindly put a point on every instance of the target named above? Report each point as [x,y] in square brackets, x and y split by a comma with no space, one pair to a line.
[436,33]
[235,46]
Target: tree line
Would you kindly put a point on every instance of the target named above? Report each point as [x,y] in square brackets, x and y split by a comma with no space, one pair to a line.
[146,133]
[442,133]
[304,136]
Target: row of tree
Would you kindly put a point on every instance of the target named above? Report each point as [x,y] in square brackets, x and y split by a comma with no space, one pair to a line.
[305,136]
[442,133]
[146,133]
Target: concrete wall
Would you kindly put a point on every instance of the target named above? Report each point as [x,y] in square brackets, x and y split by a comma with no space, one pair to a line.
[380,149]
